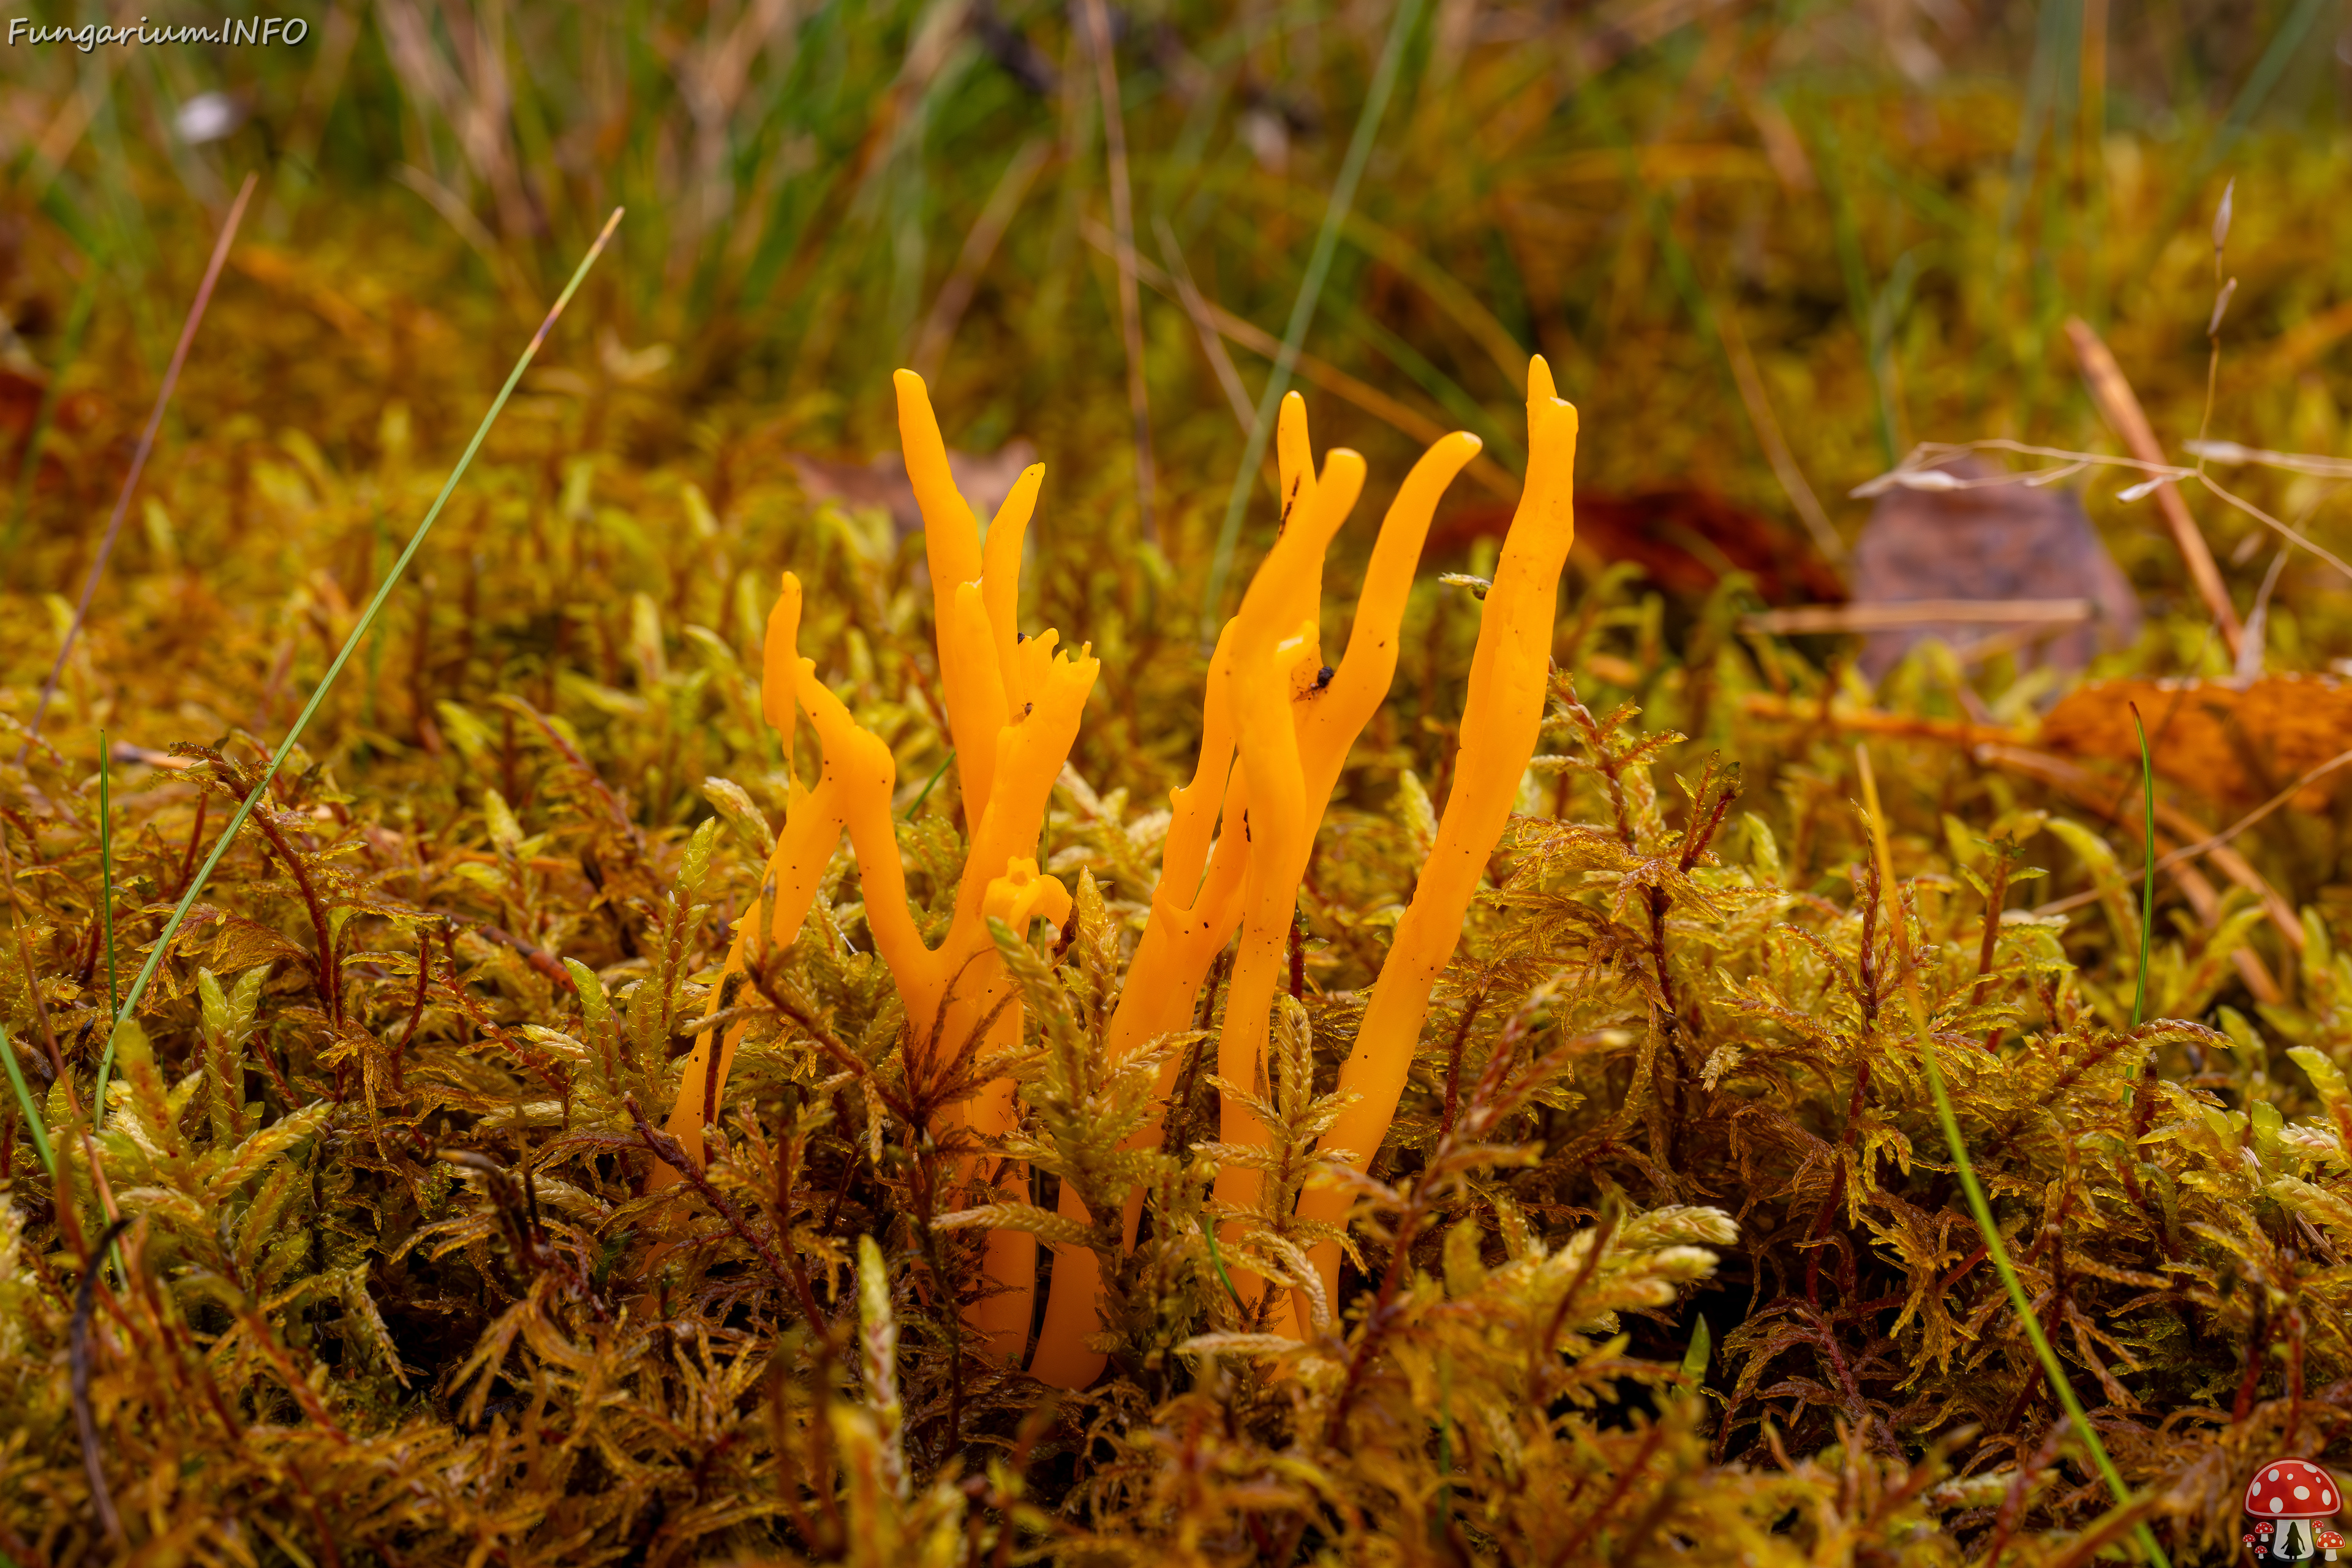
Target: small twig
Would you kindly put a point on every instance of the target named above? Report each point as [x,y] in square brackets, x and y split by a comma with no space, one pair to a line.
[1632,1473]
[538,958]
[77,323]
[416,1012]
[323,971]
[2147,875]
[1213,342]
[26,1105]
[1794,483]
[1453,1059]
[1602,1233]
[2121,408]
[832,1045]
[106,868]
[138,459]
[1897,615]
[1482,469]
[1995,896]
[1916,471]
[630,833]
[2233,453]
[195,837]
[20,925]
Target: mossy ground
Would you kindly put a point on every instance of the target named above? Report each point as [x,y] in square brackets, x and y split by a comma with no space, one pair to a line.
[1684,1266]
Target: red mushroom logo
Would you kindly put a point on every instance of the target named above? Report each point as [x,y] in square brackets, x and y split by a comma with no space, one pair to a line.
[2293,1496]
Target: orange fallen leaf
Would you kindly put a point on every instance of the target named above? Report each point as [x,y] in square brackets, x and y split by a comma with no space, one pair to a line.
[2232,743]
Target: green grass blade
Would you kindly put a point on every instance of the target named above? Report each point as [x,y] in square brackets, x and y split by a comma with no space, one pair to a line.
[1310,290]
[1501,444]
[916,804]
[2147,875]
[26,1104]
[2277,56]
[1217,1262]
[106,882]
[1980,1206]
[358,634]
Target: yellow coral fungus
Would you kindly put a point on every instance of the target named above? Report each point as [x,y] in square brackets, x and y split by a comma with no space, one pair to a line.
[1500,727]
[1012,710]
[813,823]
[1204,890]
[1278,726]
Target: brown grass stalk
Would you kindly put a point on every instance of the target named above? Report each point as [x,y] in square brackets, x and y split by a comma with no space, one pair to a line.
[138,459]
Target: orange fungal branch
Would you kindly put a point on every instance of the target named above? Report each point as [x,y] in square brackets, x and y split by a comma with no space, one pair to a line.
[1268,700]
[1508,676]
[1012,710]
[1277,727]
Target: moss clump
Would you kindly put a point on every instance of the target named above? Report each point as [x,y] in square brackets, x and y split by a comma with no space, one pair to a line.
[1662,1252]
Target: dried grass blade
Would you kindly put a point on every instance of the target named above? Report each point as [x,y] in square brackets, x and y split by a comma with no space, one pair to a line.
[2119,405]
[139,457]
[358,635]
[1123,223]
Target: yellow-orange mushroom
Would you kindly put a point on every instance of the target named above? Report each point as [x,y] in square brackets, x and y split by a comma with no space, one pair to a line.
[1508,676]
[812,823]
[1204,890]
[1012,710]
[1276,731]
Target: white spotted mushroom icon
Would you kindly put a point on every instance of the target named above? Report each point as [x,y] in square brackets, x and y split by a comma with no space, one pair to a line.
[2295,1495]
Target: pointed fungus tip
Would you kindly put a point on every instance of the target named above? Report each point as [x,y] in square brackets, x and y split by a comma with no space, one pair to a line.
[1541,386]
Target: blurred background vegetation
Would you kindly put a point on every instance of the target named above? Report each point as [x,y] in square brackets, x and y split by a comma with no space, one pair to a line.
[1729,224]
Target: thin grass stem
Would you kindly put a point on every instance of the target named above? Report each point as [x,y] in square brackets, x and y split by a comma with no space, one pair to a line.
[916,804]
[139,459]
[1122,223]
[358,634]
[2148,876]
[1216,1261]
[1979,1205]
[28,1105]
[1310,290]
[106,884]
